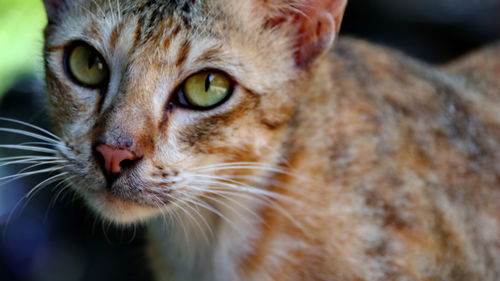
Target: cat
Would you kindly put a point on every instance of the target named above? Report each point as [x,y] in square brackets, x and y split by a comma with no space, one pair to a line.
[253,152]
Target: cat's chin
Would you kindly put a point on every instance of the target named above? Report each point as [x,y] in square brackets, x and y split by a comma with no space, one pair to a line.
[118,210]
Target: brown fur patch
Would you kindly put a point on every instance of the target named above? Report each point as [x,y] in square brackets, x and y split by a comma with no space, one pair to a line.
[59,101]
[183,54]
[93,30]
[115,34]
[208,56]
[57,47]
[138,31]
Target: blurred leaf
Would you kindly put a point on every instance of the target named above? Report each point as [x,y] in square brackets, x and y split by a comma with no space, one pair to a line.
[21,27]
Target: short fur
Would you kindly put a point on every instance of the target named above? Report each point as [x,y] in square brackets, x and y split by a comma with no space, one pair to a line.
[360,165]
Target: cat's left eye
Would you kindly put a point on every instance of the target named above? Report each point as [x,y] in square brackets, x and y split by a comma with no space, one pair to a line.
[86,66]
[205,90]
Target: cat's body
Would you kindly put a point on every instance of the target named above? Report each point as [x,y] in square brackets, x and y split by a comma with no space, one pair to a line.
[361,165]
[400,167]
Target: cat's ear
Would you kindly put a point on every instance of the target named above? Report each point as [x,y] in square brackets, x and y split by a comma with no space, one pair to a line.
[53,9]
[314,24]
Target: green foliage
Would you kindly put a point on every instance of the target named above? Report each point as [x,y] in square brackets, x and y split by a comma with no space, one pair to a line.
[21,27]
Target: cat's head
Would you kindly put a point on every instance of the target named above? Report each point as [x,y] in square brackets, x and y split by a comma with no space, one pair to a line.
[162,103]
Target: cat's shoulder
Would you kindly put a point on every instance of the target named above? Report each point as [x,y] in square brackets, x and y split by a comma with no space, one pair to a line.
[471,82]
[480,69]
[383,67]
[485,58]
[461,98]
[363,54]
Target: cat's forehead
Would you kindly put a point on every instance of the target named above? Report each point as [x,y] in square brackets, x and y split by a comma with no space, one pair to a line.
[155,11]
[168,7]
[142,6]
[171,38]
[142,22]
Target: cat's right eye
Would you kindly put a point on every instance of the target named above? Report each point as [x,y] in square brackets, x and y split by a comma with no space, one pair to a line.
[86,66]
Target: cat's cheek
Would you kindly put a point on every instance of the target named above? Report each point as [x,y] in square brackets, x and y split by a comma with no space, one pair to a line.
[66,107]
[60,103]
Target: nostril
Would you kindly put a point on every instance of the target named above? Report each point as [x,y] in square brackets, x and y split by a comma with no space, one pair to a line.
[126,164]
[114,159]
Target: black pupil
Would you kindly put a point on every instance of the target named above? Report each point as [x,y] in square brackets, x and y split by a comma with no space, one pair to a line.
[208,81]
[92,59]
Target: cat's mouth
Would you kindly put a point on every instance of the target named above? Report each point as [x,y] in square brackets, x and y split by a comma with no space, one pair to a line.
[124,207]
[152,196]
[128,197]
[122,181]
[116,198]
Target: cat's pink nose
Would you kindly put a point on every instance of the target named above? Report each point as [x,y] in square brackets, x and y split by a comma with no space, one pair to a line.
[115,158]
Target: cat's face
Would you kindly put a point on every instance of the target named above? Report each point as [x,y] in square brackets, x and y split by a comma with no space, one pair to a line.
[154,98]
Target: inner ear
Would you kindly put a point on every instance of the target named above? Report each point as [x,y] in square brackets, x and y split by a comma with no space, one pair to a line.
[315,36]
[314,25]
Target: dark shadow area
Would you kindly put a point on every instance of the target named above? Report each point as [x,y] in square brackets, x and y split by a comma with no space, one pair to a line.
[434,31]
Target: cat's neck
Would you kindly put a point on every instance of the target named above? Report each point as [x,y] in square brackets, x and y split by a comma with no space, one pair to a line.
[188,253]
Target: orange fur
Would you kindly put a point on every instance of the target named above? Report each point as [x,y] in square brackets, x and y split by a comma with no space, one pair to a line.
[358,164]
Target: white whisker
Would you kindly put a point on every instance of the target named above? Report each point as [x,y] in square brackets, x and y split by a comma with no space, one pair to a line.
[234,164]
[41,143]
[19,157]
[54,199]
[18,176]
[32,126]
[26,157]
[100,10]
[215,211]
[28,148]
[29,134]
[33,160]
[224,204]
[113,18]
[38,164]
[197,223]
[32,192]
[119,9]
[268,202]
[87,10]
[259,181]
[224,195]
[37,187]
[175,216]
[234,185]
[41,185]
[228,186]
[247,167]
[66,184]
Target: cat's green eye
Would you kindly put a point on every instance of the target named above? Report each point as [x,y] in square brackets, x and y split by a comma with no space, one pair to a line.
[206,89]
[86,66]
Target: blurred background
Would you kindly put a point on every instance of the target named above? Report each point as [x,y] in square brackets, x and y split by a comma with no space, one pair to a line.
[61,240]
